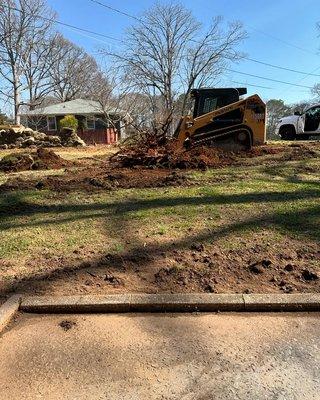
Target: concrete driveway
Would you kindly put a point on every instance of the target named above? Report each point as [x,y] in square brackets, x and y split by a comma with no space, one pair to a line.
[161,356]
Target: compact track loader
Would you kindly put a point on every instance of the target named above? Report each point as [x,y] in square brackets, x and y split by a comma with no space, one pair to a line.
[221,118]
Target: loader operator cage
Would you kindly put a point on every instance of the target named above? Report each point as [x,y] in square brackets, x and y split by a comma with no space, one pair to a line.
[207,100]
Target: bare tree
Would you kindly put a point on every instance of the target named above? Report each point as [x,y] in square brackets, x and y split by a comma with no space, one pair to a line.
[316,88]
[123,106]
[207,58]
[110,95]
[20,27]
[276,110]
[316,91]
[165,54]
[72,71]
[37,69]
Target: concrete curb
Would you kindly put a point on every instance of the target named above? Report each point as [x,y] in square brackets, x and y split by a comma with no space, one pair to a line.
[282,302]
[121,303]
[8,310]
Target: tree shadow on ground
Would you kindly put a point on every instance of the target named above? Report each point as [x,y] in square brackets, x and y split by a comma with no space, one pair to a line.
[303,223]
[290,173]
[17,205]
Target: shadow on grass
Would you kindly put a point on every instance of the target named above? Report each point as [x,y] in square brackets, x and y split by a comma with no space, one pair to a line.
[17,205]
[303,222]
[290,173]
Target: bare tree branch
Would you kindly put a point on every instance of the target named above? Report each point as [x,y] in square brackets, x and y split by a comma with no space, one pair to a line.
[20,29]
[166,55]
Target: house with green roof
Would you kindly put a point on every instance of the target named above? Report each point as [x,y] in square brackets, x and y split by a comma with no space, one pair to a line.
[96,124]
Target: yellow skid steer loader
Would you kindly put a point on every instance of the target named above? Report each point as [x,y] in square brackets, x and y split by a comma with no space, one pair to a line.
[221,118]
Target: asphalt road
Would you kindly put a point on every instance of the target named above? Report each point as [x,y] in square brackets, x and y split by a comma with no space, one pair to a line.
[162,356]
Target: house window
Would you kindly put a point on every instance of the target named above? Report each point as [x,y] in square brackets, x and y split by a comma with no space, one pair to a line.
[91,123]
[52,123]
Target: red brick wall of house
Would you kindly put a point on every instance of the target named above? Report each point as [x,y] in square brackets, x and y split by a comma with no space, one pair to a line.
[99,136]
[96,136]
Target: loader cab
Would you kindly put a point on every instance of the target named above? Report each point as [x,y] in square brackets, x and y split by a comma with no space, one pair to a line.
[207,100]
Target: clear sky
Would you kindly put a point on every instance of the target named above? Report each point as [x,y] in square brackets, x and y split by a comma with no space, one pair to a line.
[281,32]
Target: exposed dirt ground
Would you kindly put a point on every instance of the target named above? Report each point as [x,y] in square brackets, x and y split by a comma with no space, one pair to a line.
[100,174]
[196,263]
[254,269]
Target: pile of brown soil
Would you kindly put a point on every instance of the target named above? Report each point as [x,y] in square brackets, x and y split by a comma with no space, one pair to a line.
[98,174]
[93,178]
[40,159]
[299,151]
[168,156]
[202,157]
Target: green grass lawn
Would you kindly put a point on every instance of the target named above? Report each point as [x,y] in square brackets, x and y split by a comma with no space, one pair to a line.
[229,207]
[225,202]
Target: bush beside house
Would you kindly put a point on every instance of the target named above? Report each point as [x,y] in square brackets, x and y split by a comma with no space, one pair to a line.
[69,121]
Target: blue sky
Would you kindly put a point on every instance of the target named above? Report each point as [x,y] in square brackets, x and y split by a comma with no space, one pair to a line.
[269,25]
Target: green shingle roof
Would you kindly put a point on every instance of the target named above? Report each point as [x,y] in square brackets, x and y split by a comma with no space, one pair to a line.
[78,106]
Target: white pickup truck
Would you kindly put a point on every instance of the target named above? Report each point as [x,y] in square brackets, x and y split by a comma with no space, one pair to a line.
[300,125]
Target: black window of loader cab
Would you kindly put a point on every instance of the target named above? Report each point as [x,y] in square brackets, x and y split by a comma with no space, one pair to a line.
[209,104]
[312,119]
[207,100]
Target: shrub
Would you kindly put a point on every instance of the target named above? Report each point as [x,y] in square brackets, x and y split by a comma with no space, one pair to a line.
[69,121]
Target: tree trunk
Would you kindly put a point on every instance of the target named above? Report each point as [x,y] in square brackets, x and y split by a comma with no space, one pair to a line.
[32,104]
[16,97]
[16,106]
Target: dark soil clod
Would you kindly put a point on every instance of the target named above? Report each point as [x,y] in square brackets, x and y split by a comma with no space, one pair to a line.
[67,324]
[308,275]
[256,269]
[289,268]
[197,247]
[39,185]
[209,288]
[266,263]
[113,280]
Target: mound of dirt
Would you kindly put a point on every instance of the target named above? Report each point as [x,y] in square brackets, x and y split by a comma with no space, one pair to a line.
[169,157]
[302,150]
[40,159]
[202,157]
[92,179]
[94,175]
